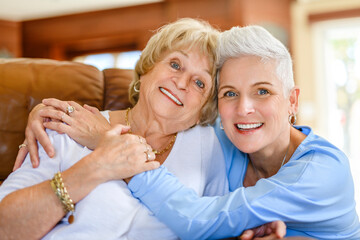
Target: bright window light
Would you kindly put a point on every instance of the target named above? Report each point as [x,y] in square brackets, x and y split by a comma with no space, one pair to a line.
[124,60]
[127,60]
[101,61]
[338,46]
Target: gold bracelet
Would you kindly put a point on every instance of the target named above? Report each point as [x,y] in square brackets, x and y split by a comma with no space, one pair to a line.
[57,185]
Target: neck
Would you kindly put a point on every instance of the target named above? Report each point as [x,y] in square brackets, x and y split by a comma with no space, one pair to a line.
[141,125]
[146,124]
[267,162]
[266,165]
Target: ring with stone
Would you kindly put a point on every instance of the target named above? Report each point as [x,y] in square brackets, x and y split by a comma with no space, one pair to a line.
[62,117]
[70,109]
[140,139]
[148,156]
[22,145]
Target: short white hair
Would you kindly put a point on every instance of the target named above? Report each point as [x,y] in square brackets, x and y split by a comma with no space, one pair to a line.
[256,41]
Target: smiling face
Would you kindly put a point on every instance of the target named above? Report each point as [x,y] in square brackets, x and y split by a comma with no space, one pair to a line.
[177,87]
[252,105]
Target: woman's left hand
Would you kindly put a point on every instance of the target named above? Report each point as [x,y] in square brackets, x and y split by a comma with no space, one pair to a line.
[269,231]
[121,156]
[85,125]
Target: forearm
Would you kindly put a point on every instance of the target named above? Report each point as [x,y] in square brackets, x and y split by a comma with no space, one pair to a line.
[183,211]
[32,212]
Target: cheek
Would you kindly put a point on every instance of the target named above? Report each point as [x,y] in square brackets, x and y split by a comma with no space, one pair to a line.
[226,110]
[273,111]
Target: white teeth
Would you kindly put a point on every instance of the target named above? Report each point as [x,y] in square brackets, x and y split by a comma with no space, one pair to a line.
[248,126]
[171,96]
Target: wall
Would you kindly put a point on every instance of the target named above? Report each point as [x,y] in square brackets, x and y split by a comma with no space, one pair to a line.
[129,28]
[303,14]
[10,38]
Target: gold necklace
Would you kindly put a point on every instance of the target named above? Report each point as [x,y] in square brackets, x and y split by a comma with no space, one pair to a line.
[155,151]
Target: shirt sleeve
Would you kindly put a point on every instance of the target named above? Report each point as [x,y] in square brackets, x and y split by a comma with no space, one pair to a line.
[292,195]
[213,166]
[27,176]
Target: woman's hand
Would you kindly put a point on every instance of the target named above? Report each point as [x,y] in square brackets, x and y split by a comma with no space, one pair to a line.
[85,124]
[269,231]
[35,130]
[120,156]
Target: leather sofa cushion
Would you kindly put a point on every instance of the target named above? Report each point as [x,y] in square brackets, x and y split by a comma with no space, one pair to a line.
[25,82]
[116,90]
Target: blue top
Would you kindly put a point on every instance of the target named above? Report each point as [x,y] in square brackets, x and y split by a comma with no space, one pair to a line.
[313,193]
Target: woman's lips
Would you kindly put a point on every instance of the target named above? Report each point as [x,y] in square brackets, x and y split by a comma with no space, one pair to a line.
[172,97]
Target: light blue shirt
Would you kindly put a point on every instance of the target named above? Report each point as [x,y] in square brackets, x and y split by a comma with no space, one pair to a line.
[313,193]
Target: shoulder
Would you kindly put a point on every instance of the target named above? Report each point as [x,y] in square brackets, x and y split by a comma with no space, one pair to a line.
[316,162]
[68,151]
[199,135]
[315,148]
[61,142]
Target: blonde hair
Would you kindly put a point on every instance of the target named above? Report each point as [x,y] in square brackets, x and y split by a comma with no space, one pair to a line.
[182,34]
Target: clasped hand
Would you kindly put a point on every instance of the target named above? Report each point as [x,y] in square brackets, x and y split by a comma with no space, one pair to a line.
[120,156]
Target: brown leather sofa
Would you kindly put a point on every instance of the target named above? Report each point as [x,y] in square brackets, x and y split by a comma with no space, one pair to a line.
[24,82]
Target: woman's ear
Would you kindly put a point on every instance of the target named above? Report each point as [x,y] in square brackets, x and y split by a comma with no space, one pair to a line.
[294,100]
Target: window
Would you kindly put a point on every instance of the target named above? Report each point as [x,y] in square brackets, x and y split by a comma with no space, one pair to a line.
[337,45]
[124,60]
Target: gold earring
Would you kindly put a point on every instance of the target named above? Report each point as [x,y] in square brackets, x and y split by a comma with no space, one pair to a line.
[292,119]
[135,84]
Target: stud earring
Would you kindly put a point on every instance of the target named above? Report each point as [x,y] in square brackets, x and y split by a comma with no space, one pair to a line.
[292,119]
[137,83]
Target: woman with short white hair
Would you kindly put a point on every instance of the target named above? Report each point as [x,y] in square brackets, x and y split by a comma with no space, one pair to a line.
[276,170]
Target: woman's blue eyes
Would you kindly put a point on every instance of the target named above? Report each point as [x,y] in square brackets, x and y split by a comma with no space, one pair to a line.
[175,65]
[233,94]
[200,84]
[230,94]
[263,92]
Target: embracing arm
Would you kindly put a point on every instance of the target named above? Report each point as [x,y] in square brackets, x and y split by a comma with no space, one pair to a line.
[182,210]
[85,125]
[292,196]
[35,210]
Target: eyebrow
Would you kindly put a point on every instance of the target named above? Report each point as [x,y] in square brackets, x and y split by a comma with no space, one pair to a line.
[183,53]
[225,86]
[262,83]
[255,84]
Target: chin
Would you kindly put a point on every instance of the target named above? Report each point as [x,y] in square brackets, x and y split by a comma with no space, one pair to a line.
[247,147]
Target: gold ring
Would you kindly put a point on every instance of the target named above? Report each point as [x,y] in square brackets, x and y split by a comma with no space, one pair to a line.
[70,109]
[22,145]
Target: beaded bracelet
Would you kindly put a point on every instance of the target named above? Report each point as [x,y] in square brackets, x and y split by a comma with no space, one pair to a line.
[61,192]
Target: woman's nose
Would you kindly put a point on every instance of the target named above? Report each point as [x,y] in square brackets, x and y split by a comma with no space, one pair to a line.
[182,82]
[245,106]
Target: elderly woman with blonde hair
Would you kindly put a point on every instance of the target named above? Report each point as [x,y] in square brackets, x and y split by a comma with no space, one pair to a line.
[80,194]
